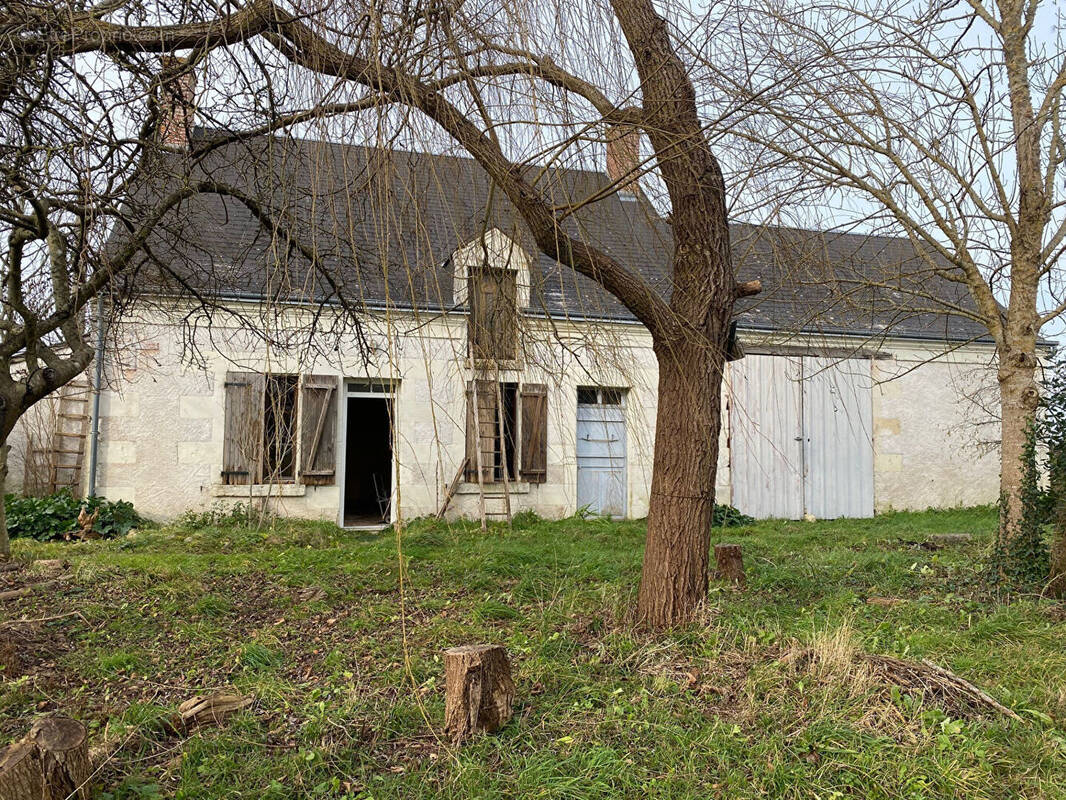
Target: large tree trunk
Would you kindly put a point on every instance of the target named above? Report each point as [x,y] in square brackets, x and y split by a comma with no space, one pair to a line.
[691,350]
[674,580]
[1019,398]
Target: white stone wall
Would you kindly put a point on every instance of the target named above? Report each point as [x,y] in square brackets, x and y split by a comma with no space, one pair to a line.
[162,414]
[936,432]
[162,420]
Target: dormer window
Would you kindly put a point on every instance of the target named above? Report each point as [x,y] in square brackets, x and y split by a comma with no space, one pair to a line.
[491,279]
[493,326]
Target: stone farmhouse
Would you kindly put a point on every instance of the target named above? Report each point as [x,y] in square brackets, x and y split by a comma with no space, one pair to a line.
[400,348]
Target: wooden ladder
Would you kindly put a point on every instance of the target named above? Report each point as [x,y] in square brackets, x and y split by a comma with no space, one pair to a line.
[491,439]
[69,435]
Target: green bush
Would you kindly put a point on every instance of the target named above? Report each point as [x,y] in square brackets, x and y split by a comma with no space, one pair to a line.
[219,515]
[729,517]
[54,516]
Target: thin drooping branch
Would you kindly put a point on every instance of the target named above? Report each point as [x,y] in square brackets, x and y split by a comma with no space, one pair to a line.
[304,47]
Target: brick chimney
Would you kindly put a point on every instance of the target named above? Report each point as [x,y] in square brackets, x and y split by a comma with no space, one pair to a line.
[623,157]
[177,103]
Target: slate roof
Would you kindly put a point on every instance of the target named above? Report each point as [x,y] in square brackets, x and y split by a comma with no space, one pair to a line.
[383,224]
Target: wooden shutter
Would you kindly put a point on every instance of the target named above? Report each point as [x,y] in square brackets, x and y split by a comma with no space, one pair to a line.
[534,400]
[242,449]
[505,315]
[318,430]
[481,430]
[493,324]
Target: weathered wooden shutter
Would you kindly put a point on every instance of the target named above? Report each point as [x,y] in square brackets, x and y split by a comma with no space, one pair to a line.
[481,430]
[493,325]
[534,399]
[318,430]
[505,315]
[242,449]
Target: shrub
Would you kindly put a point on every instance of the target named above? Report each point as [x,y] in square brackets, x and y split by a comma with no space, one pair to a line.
[54,516]
[729,517]
[219,515]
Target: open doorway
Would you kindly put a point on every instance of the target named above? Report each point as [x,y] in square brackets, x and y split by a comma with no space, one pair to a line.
[368,456]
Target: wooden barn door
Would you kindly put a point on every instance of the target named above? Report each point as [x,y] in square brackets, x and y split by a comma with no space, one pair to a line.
[801,437]
[766,441]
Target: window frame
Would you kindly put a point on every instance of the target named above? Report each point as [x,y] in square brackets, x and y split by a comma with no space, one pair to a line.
[266,435]
[484,335]
[509,456]
[601,395]
[289,454]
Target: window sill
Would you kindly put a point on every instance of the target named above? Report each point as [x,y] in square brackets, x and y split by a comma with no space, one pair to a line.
[258,490]
[514,487]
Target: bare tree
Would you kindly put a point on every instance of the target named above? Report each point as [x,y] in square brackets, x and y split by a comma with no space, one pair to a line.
[477,61]
[88,113]
[472,71]
[939,122]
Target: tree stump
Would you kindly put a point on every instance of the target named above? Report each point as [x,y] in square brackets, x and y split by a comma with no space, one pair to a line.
[730,562]
[478,690]
[50,763]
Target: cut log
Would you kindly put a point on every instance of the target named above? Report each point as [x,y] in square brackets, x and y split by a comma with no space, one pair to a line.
[884,602]
[730,560]
[210,710]
[479,690]
[64,748]
[50,763]
[51,564]
[26,591]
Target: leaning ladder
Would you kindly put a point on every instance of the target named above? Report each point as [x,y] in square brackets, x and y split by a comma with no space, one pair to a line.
[67,453]
[491,438]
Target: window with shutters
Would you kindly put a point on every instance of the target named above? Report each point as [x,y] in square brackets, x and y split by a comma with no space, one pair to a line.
[279,428]
[493,326]
[506,432]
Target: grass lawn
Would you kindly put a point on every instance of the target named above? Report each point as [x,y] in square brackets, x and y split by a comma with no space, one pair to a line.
[346,671]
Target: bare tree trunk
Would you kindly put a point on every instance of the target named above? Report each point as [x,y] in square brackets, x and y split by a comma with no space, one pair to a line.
[1019,398]
[675,575]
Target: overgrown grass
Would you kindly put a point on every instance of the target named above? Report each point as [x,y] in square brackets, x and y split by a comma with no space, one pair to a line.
[347,675]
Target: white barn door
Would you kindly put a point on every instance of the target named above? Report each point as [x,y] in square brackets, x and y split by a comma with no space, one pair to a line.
[801,437]
[838,452]
[765,415]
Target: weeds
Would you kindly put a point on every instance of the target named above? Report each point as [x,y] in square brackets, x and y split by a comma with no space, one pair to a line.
[307,618]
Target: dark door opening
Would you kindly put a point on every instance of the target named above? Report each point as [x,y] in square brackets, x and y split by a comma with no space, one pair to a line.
[368,461]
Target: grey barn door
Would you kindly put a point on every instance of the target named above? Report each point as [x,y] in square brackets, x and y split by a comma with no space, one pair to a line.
[838,451]
[601,459]
[765,415]
[801,437]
